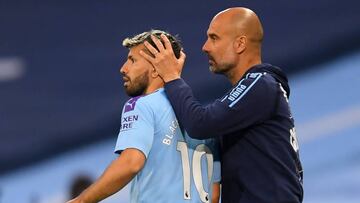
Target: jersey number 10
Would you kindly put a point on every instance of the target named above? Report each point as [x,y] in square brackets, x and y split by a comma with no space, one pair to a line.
[199,151]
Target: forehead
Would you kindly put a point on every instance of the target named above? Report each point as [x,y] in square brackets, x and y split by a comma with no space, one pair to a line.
[219,26]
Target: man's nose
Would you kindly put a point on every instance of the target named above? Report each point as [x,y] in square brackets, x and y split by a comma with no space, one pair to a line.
[205,47]
[123,69]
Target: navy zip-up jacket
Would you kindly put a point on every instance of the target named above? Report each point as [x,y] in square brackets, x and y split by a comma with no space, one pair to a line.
[259,150]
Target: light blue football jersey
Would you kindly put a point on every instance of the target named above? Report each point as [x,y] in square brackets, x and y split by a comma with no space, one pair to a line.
[178,169]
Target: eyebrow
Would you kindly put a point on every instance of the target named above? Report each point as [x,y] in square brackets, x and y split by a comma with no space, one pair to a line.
[130,57]
[213,35]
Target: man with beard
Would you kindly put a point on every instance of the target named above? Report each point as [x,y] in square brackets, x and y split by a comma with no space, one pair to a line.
[163,162]
[259,149]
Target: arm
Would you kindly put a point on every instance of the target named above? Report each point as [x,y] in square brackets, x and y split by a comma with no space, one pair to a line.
[250,106]
[118,174]
[254,104]
[216,193]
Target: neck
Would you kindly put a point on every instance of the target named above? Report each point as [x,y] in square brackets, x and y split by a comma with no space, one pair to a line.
[153,86]
[235,74]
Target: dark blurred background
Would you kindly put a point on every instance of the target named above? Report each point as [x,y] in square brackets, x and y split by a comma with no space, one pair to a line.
[60,88]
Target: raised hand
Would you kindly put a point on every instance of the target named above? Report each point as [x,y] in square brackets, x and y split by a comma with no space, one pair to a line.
[164,60]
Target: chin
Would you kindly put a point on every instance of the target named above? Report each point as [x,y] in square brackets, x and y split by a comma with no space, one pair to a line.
[134,92]
[215,70]
[212,69]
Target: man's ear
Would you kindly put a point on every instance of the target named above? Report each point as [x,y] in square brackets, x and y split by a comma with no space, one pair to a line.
[240,44]
[154,73]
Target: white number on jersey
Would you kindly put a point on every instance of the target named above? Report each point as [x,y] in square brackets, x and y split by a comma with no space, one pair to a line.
[196,169]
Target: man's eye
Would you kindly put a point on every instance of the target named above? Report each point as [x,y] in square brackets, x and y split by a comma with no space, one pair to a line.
[213,38]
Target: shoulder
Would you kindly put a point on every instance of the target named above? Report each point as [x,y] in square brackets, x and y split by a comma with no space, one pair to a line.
[137,106]
[133,103]
[263,79]
[144,102]
[258,84]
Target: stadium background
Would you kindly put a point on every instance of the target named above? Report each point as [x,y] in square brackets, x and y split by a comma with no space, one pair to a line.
[61,94]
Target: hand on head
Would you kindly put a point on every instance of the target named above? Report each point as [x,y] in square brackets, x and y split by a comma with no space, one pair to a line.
[164,61]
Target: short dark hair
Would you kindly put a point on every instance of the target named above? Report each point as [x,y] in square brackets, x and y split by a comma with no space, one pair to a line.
[146,36]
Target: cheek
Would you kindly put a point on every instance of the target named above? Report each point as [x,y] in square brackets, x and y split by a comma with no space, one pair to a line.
[145,66]
[140,68]
[229,52]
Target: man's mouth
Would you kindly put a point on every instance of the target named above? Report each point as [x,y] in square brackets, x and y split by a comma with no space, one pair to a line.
[126,81]
[211,60]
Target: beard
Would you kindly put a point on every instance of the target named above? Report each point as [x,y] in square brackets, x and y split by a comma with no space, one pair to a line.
[138,85]
[220,68]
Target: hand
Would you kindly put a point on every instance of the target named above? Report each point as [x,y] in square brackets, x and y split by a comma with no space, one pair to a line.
[165,62]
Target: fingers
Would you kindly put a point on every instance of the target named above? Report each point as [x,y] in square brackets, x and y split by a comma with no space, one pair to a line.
[151,49]
[166,42]
[181,60]
[158,44]
[147,56]
[182,56]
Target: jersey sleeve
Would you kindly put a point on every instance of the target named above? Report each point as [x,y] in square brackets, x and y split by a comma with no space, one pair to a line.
[137,127]
[250,102]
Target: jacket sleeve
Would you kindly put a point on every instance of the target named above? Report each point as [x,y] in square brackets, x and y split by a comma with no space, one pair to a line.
[250,102]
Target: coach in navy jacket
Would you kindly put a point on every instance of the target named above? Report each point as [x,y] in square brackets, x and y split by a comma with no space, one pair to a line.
[259,149]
